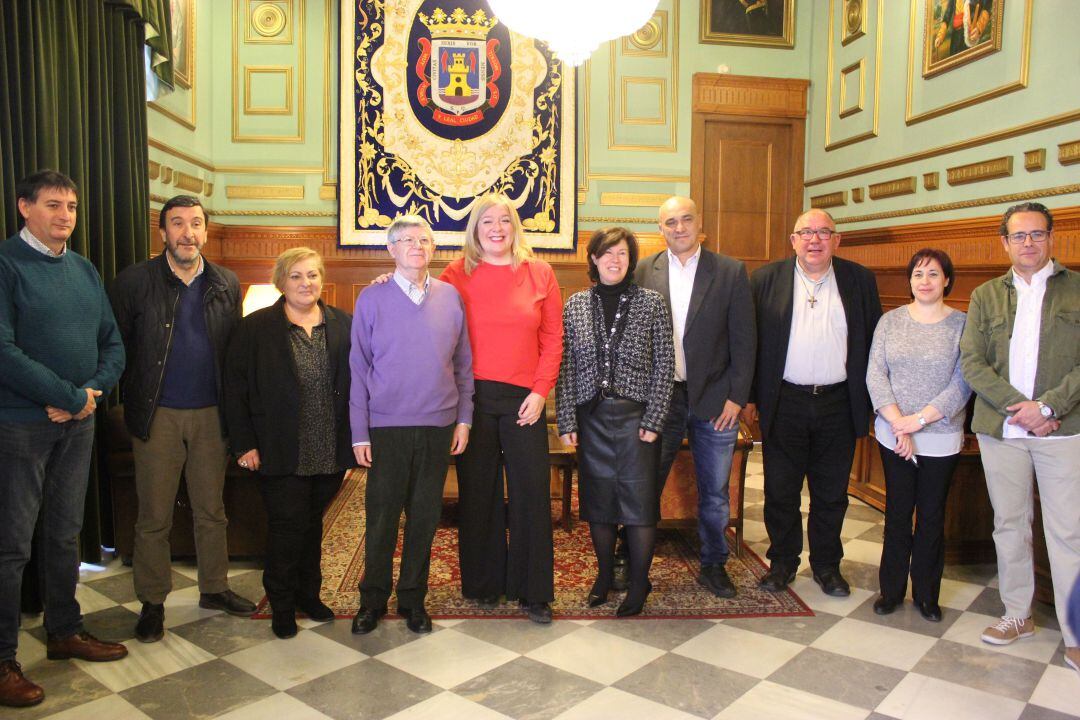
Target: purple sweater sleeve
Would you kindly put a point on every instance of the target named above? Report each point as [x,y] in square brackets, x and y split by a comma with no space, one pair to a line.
[360,365]
[463,371]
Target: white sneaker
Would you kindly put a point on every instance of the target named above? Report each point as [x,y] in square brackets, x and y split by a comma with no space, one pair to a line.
[1008,630]
[1072,658]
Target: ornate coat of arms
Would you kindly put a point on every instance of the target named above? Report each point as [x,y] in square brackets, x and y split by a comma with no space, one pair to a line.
[442,103]
[459,67]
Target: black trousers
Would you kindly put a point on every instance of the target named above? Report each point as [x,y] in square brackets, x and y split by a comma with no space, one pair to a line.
[921,489]
[812,437]
[294,511]
[524,568]
[408,471]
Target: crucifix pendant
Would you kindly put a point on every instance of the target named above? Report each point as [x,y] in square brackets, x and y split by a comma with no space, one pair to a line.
[812,300]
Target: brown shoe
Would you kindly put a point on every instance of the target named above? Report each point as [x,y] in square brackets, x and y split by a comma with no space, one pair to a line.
[15,689]
[84,646]
[1008,630]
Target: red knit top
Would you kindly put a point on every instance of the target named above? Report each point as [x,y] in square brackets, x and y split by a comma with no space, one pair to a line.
[515,321]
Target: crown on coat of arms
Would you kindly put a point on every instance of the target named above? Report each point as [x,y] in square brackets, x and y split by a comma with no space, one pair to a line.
[458,25]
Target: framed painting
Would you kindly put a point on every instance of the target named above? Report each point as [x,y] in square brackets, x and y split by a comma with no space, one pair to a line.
[442,104]
[768,23]
[959,31]
[183,37]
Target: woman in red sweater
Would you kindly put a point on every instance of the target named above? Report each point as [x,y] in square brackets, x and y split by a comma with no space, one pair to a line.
[514,313]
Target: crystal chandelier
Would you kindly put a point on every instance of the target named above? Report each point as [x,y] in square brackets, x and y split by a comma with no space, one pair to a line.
[573,29]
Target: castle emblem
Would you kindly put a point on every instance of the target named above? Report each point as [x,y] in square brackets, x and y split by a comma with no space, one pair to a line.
[458,66]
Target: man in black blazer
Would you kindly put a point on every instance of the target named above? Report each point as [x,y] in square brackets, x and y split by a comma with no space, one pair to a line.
[816,315]
[711,309]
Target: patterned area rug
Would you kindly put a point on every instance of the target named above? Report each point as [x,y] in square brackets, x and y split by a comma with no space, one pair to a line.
[676,593]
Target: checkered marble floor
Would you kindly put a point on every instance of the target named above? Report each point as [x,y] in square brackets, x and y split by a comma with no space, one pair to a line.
[845,662]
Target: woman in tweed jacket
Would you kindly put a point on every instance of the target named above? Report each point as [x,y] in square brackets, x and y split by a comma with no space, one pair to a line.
[611,400]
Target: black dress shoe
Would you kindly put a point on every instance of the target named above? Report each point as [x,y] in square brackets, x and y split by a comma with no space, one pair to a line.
[599,593]
[283,623]
[150,627]
[228,601]
[716,580]
[366,620]
[621,577]
[316,610]
[632,605]
[777,579]
[885,606]
[416,619]
[832,582]
[539,613]
[930,611]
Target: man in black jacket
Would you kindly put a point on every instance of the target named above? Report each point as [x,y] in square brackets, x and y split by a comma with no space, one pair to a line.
[175,313]
[816,315]
[708,295]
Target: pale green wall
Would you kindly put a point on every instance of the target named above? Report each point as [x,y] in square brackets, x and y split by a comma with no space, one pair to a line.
[661,166]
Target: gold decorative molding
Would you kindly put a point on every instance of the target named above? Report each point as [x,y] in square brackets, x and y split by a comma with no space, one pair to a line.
[977,141]
[264,192]
[854,20]
[252,70]
[650,40]
[158,198]
[1035,160]
[330,38]
[892,188]
[189,123]
[747,95]
[845,109]
[328,191]
[635,177]
[830,144]
[618,220]
[584,79]
[272,213]
[833,199]
[269,22]
[166,175]
[857,194]
[625,199]
[930,180]
[297,14]
[184,181]
[154,168]
[208,188]
[672,111]
[962,204]
[980,171]
[170,150]
[1020,83]
[1069,153]
[266,170]
[625,118]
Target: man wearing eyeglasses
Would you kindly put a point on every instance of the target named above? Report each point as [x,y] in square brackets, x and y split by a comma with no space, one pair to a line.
[411,400]
[816,315]
[1020,353]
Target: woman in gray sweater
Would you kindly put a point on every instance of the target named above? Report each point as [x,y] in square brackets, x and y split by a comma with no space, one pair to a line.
[611,400]
[920,397]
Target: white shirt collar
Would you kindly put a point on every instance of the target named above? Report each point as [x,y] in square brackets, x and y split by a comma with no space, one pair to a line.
[409,287]
[674,259]
[1038,278]
[202,267]
[41,247]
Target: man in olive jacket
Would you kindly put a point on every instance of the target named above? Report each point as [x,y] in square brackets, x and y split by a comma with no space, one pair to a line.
[1020,353]
[175,313]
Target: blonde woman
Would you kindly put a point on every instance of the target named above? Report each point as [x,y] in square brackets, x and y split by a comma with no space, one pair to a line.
[287,386]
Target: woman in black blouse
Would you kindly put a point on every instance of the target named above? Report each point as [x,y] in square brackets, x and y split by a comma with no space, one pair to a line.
[287,410]
[612,396]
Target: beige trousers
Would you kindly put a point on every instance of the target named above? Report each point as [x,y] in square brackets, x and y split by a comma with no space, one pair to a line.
[1010,466]
[188,442]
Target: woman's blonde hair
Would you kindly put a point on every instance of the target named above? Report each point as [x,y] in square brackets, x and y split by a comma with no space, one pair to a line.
[520,250]
[290,257]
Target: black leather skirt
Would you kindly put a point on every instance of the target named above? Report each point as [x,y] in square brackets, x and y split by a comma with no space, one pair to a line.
[616,470]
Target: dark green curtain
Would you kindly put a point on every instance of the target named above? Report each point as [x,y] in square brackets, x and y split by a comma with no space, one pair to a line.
[73,98]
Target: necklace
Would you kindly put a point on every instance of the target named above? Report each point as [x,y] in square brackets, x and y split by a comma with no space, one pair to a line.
[811,298]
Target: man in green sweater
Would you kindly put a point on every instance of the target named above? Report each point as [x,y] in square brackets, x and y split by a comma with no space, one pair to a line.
[61,352]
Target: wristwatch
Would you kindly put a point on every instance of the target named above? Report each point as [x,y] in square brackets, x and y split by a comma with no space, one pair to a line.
[922,420]
[1045,410]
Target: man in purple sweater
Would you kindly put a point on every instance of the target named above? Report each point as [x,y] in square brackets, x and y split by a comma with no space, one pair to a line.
[411,402]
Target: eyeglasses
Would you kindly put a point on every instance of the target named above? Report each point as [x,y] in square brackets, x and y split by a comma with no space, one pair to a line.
[823,233]
[415,242]
[1037,236]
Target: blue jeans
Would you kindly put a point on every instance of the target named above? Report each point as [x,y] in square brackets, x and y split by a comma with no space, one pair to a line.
[45,467]
[712,451]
